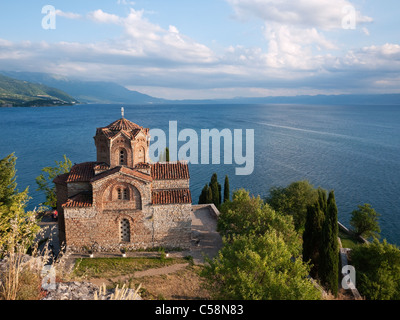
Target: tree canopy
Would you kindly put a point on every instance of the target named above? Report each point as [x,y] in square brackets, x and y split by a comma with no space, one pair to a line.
[18,228]
[293,200]
[45,180]
[261,256]
[365,221]
[377,267]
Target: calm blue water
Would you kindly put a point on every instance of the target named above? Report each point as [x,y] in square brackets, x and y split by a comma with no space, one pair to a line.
[354,150]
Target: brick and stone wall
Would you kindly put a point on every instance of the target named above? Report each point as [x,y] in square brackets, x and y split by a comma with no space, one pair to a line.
[172,225]
[170,184]
[149,225]
[166,226]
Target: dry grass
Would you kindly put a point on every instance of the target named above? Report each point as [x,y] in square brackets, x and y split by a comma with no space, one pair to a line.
[119,294]
[185,284]
[21,274]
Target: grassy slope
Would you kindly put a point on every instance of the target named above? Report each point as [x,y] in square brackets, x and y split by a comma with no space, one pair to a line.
[23,93]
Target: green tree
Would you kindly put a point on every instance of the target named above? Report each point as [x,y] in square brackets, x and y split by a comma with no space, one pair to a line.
[293,200]
[17,227]
[226,189]
[203,195]
[312,236]
[328,270]
[365,221]
[166,154]
[216,190]
[7,179]
[45,180]
[209,196]
[258,267]
[377,267]
[247,214]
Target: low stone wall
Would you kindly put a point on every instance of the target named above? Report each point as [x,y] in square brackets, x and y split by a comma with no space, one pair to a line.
[211,207]
[351,233]
[344,254]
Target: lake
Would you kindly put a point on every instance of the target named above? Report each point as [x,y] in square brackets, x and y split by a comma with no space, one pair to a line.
[354,150]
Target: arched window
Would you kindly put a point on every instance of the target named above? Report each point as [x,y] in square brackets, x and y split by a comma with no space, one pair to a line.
[122,157]
[125,230]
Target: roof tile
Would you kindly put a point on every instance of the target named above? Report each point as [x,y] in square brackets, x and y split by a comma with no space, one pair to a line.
[170,170]
[172,196]
[82,172]
[129,128]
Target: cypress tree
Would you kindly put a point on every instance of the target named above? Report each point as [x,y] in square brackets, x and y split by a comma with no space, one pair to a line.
[312,236]
[329,250]
[203,195]
[215,190]
[322,199]
[226,189]
[215,193]
[166,154]
[209,197]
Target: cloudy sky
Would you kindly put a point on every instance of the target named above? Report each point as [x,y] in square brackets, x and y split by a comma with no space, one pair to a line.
[194,49]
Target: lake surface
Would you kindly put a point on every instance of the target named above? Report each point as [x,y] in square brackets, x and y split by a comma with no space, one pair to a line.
[354,150]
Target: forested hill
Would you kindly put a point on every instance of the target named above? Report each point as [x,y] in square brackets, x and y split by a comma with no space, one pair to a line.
[18,93]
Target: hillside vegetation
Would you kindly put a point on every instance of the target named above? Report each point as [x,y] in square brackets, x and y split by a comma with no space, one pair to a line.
[18,93]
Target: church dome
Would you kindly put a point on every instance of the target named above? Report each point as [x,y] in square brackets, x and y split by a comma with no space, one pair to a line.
[123,124]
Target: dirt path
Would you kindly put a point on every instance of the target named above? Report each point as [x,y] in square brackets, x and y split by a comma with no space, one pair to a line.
[158,271]
[139,274]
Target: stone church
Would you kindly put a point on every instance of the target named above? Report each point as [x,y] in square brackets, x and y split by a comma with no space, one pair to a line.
[123,200]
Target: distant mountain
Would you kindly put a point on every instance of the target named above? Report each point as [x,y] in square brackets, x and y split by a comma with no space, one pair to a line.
[342,99]
[15,92]
[87,91]
[111,93]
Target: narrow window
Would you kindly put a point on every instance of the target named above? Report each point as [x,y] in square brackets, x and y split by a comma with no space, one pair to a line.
[125,194]
[119,194]
[122,157]
[125,231]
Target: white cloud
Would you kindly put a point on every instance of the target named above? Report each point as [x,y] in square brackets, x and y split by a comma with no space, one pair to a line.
[102,17]
[296,56]
[324,14]
[292,47]
[126,2]
[144,38]
[365,31]
[68,15]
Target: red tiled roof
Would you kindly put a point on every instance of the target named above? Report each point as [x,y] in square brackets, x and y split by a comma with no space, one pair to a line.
[172,196]
[123,124]
[170,171]
[142,165]
[101,166]
[129,128]
[125,170]
[82,172]
[81,200]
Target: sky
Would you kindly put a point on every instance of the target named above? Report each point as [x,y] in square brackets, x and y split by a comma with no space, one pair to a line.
[200,49]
